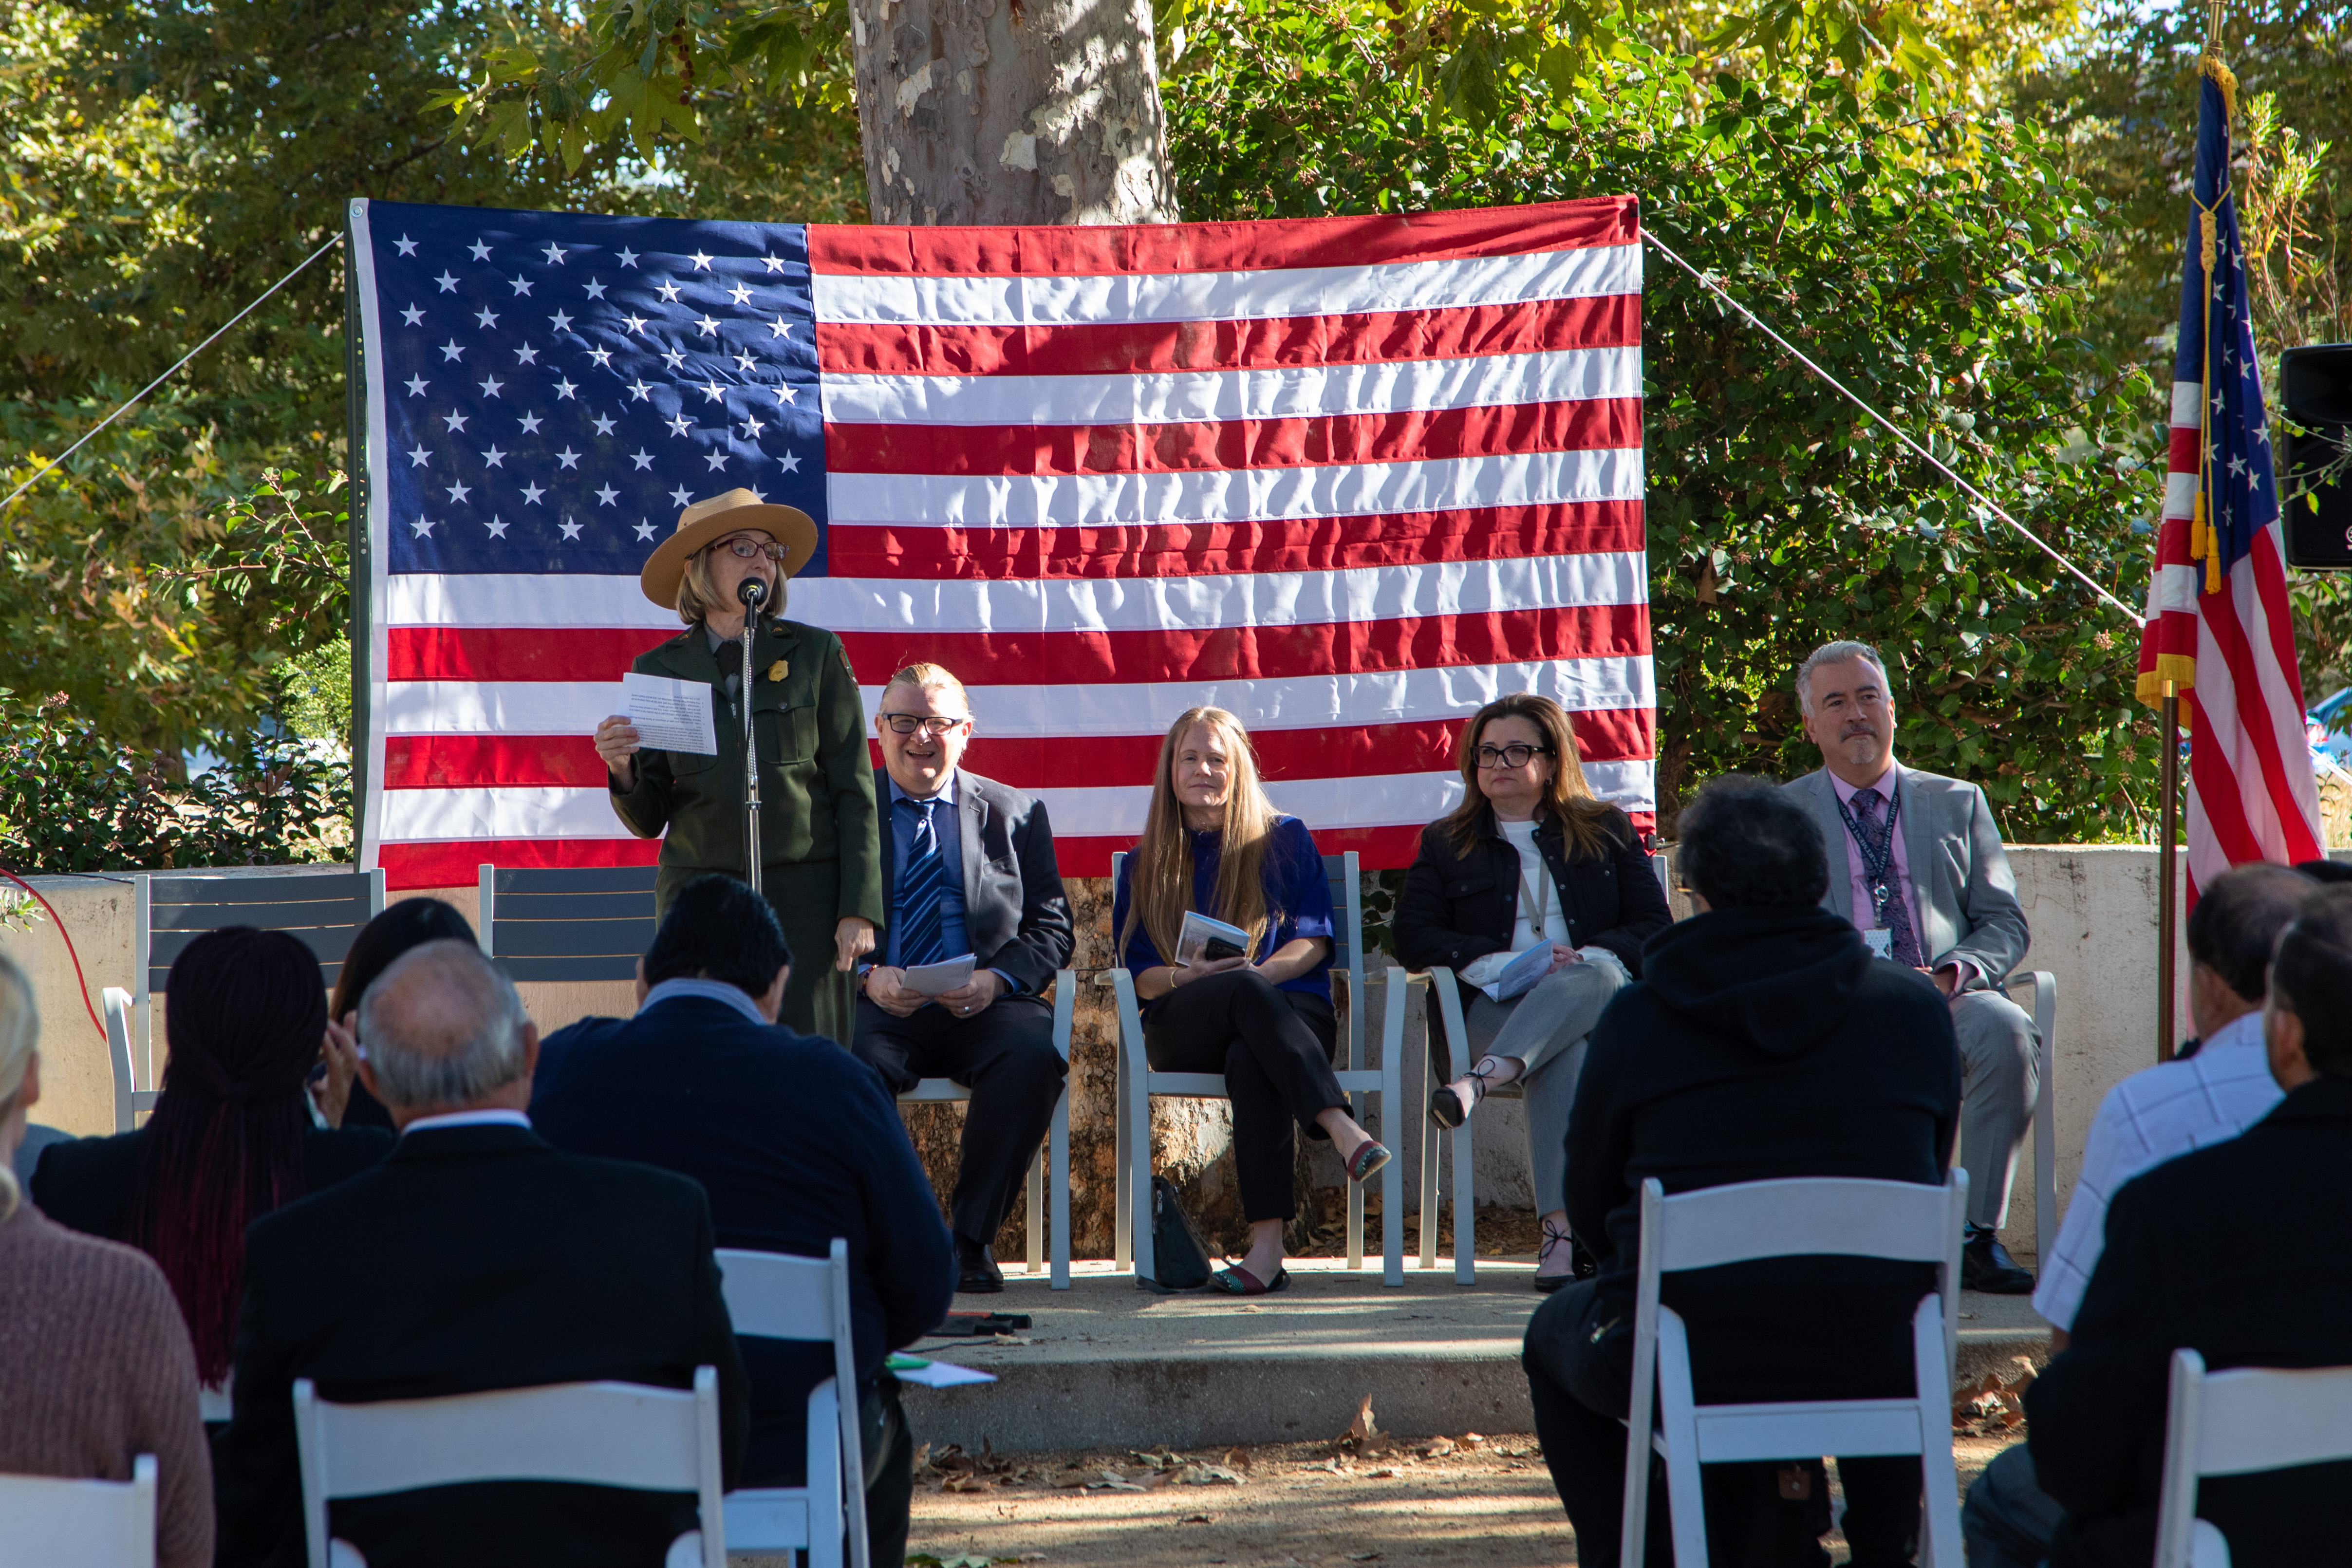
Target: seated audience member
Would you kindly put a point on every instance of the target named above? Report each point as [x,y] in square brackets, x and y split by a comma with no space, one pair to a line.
[2281,1192]
[473,1257]
[231,1137]
[1214,844]
[95,1368]
[1529,858]
[408,924]
[795,1141]
[1915,858]
[2218,1086]
[968,867]
[1762,1041]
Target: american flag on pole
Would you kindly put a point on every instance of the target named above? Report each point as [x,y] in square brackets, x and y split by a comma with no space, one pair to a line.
[2218,621]
[1348,478]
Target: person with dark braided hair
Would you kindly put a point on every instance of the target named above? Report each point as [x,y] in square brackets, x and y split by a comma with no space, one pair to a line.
[231,1137]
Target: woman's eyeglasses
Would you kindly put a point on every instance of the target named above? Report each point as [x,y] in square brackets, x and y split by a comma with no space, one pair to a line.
[1513,756]
[750,549]
[907,723]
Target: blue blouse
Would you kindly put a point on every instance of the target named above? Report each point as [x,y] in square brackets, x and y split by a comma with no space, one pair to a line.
[1296,894]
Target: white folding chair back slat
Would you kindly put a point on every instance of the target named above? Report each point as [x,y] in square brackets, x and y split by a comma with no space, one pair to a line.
[50,1520]
[598,1434]
[129,1100]
[1801,1216]
[779,1296]
[2237,1423]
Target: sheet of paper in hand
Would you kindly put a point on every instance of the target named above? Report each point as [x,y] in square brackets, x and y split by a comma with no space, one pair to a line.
[1521,974]
[1881,941]
[1205,940]
[938,979]
[670,715]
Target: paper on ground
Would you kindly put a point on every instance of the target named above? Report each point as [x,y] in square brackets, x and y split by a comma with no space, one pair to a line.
[935,1374]
[938,979]
[670,715]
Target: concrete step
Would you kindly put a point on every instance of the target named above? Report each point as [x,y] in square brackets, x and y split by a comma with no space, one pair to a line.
[1107,1365]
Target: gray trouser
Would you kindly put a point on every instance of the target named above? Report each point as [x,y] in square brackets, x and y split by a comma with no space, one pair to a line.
[2000,1080]
[2008,1520]
[1546,1028]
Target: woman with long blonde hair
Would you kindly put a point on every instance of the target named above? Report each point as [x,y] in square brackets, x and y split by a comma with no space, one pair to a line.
[1530,858]
[1213,843]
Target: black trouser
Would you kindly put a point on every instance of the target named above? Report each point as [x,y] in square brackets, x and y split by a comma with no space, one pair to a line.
[1579,1360]
[1005,1054]
[890,1471]
[1274,1048]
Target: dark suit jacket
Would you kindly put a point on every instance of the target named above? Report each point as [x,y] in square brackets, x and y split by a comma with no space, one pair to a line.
[1013,908]
[88,1182]
[472,1259]
[796,1142]
[2277,1295]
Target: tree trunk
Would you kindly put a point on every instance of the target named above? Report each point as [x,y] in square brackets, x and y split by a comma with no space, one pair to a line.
[977,111]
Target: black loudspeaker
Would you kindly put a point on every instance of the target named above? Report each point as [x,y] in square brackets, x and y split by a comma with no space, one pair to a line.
[2316,390]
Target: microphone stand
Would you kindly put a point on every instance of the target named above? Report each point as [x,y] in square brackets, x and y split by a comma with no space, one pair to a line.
[753,594]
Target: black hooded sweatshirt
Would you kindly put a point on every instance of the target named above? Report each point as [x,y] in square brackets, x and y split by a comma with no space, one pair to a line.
[1759,1043]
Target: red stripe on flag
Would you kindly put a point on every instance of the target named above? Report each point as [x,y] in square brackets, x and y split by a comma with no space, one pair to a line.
[1092,250]
[1417,435]
[1135,348]
[2184,445]
[1199,548]
[457,864]
[515,653]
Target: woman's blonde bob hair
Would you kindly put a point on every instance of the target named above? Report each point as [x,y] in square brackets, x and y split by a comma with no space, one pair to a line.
[20,1035]
[1159,884]
[1583,817]
[697,597]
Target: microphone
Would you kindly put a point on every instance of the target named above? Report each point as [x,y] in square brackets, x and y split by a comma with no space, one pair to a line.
[752,593]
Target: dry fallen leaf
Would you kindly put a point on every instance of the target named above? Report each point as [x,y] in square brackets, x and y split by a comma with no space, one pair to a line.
[1383,1472]
[1194,1519]
[1362,1428]
[1437,1449]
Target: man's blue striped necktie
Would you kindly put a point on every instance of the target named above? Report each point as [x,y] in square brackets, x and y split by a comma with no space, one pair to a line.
[922,887]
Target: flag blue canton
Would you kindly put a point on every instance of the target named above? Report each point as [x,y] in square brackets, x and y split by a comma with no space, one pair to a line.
[557,387]
[2241,493]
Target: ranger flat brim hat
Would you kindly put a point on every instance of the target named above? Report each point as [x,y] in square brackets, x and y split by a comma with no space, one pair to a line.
[706,522]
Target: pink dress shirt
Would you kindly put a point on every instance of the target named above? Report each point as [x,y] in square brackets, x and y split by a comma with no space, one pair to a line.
[1865,908]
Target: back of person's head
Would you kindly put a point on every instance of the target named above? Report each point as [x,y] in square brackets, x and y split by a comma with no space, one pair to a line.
[20,1037]
[442,1029]
[2311,977]
[719,928]
[2325,870]
[245,1011]
[411,923]
[1744,843]
[2237,921]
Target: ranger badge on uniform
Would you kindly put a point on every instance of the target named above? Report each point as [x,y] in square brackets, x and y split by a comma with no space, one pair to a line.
[778,669]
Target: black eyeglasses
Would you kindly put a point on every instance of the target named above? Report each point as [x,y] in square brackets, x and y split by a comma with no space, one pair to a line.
[1517,756]
[907,723]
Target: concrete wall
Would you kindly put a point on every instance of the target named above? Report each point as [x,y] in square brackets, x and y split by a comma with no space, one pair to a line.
[2092,911]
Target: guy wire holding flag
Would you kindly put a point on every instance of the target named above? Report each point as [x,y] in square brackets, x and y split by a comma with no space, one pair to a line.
[2218,632]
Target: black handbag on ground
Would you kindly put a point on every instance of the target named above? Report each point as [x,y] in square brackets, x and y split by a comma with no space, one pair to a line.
[1179,1260]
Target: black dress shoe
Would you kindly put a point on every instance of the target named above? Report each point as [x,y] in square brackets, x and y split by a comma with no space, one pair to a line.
[1986,1266]
[976,1272]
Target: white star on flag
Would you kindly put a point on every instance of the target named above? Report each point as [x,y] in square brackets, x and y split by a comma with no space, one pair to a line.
[452,350]
[779,328]
[751,428]
[413,315]
[775,263]
[604,423]
[604,358]
[417,459]
[787,395]
[641,459]
[448,284]
[668,292]
[482,251]
[792,463]
[526,355]
[715,459]
[520,284]
[417,386]
[709,328]
[530,424]
[594,290]
[424,526]
[745,362]
[491,386]
[497,525]
[554,253]
[571,529]
[606,495]
[488,317]
[679,424]
[644,529]
[493,457]
[741,295]
[701,262]
[713,391]
[456,422]
[405,246]
[681,496]
[458,492]
[637,324]
[567,458]
[640,391]
[561,321]
[628,257]
[564,388]
[531,494]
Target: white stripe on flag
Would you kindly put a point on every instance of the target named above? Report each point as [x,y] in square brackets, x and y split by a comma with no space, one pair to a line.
[1288,392]
[2180,493]
[1256,495]
[1112,707]
[2188,406]
[1583,272]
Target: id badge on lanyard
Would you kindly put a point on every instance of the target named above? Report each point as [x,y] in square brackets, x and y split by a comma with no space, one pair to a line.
[1881,941]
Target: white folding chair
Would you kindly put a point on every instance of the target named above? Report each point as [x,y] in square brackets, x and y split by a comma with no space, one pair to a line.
[778,1296]
[599,1434]
[1138,1084]
[131,1102]
[937,1090]
[1447,995]
[2045,1113]
[1803,1216]
[46,1520]
[2238,1422]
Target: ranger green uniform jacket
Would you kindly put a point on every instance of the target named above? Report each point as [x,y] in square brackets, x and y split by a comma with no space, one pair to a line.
[816,777]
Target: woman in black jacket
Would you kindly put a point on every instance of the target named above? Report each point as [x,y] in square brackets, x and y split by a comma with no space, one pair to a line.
[1530,859]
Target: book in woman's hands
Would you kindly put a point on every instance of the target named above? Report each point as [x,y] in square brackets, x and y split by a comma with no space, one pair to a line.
[1205,940]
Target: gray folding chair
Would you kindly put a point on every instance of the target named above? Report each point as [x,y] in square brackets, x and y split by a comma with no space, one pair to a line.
[324,909]
[1138,1083]
[584,922]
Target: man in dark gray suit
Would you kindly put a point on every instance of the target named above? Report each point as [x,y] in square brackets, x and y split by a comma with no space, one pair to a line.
[1922,872]
[968,867]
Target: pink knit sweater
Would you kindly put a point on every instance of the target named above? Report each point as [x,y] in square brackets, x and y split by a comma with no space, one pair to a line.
[96,1369]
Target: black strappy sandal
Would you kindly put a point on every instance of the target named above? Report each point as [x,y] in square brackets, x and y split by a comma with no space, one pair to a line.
[1446,1107]
[1554,1235]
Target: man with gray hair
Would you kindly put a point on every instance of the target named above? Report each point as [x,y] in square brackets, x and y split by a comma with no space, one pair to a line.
[474,1257]
[1916,862]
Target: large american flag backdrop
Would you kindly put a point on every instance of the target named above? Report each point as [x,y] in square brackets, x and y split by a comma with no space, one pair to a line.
[1348,478]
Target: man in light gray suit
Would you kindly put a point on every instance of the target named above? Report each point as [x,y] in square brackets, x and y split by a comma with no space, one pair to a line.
[1923,872]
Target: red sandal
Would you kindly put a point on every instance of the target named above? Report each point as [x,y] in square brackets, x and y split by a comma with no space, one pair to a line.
[1237,1281]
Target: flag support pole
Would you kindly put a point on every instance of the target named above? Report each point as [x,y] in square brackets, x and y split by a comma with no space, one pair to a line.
[2168,903]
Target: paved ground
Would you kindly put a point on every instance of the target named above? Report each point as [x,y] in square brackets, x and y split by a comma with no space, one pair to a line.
[1483,1504]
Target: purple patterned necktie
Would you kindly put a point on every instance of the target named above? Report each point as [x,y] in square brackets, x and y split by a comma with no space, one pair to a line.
[1893,910]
